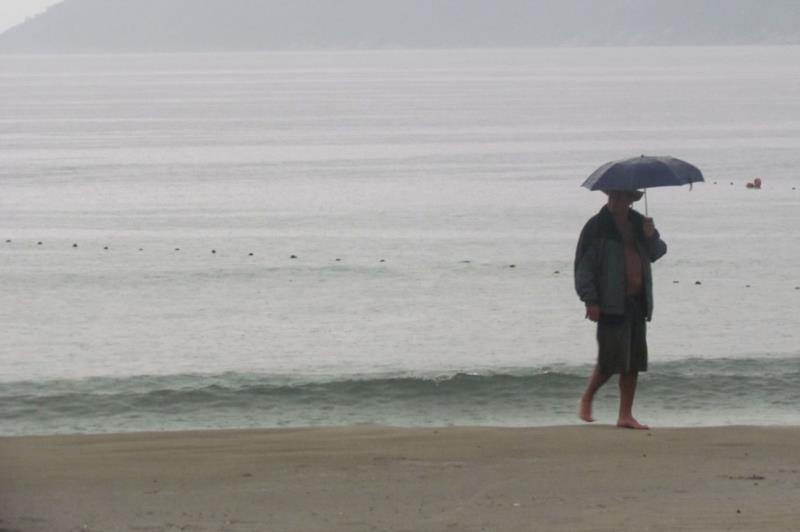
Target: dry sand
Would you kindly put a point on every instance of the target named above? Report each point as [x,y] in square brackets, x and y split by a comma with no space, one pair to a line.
[362,479]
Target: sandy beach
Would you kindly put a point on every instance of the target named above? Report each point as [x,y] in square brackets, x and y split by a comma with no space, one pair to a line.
[375,478]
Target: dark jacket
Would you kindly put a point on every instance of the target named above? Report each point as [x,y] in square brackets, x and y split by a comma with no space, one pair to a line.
[600,262]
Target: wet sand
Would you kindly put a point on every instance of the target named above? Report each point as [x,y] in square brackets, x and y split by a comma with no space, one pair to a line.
[389,479]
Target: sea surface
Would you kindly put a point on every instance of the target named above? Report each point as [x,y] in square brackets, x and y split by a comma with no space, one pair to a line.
[336,238]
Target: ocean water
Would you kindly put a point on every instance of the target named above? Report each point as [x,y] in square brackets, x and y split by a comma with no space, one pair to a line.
[328,238]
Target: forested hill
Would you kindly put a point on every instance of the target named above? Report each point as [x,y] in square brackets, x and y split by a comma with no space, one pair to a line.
[207,25]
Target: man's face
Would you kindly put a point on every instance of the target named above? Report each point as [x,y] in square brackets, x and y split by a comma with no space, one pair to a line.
[619,201]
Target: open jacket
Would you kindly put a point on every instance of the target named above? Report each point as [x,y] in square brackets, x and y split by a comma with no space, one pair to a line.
[600,262]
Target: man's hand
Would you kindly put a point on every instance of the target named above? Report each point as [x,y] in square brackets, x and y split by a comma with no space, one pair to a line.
[593,312]
[649,228]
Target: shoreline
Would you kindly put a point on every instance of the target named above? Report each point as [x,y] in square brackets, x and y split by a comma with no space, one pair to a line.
[576,477]
[359,427]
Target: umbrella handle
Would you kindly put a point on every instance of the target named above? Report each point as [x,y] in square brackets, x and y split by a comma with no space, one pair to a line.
[645,202]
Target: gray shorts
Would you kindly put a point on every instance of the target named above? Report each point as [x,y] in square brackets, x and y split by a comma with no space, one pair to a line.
[622,340]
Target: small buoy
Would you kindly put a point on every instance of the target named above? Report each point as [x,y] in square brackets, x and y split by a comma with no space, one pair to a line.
[512,265]
[250,255]
[556,272]
[293,257]
[466,262]
[8,241]
[747,286]
[74,245]
[177,249]
[105,247]
[338,260]
[731,182]
[140,249]
[38,243]
[382,260]
[715,182]
[697,282]
[213,251]
[676,282]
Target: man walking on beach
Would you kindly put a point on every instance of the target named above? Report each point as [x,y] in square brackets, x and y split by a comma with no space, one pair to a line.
[613,279]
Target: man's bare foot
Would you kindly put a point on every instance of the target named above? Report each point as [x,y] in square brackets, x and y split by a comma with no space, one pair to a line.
[585,410]
[631,423]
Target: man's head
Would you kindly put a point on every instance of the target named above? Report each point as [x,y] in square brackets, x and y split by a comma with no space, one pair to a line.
[619,201]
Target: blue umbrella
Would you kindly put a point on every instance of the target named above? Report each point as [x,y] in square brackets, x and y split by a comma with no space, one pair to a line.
[642,173]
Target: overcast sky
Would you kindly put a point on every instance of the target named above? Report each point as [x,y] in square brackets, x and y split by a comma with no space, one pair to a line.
[12,12]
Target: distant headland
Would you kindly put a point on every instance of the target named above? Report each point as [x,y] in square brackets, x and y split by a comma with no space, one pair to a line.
[76,26]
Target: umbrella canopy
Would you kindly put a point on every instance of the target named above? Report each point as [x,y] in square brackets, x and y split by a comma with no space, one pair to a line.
[643,172]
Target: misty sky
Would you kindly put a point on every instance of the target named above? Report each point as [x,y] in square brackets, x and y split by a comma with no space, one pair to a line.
[219,25]
[13,12]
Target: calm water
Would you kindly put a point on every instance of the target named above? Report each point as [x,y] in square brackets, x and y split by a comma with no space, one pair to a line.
[406,184]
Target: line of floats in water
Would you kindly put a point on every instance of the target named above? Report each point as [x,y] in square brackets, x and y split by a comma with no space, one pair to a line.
[755,184]
[294,257]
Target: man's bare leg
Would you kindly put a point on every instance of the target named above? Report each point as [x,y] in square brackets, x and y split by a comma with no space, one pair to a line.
[597,379]
[627,391]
